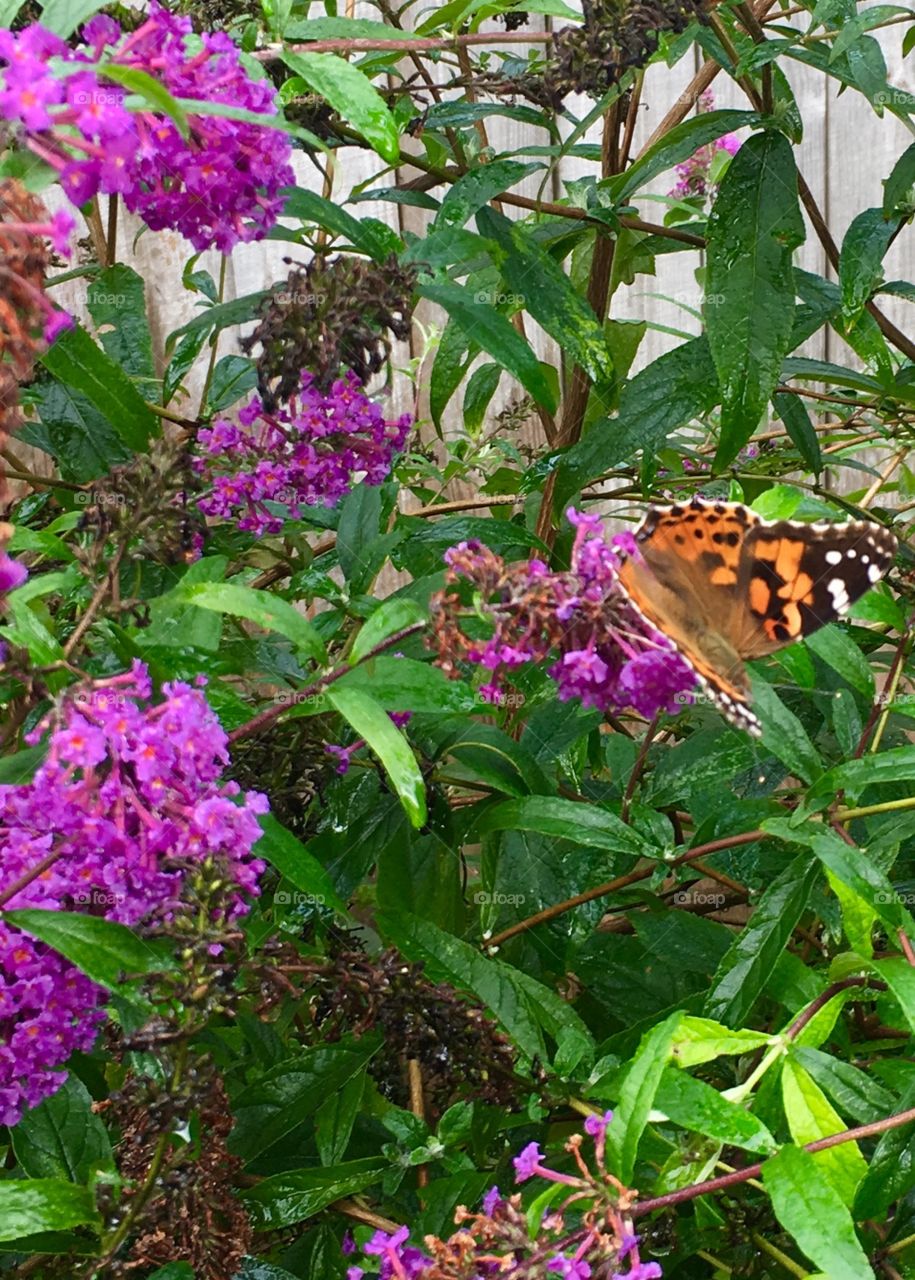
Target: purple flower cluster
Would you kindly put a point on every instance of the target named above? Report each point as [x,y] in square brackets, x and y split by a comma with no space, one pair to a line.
[308,454]
[498,1240]
[609,656]
[127,799]
[206,184]
[694,176]
[12,573]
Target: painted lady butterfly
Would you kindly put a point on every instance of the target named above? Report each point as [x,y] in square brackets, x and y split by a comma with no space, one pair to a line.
[725,585]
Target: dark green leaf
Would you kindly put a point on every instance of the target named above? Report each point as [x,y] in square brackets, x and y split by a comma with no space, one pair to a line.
[301,868]
[289,1093]
[104,950]
[793,413]
[496,335]
[117,303]
[746,968]
[476,188]
[897,190]
[287,1198]
[63,1137]
[233,377]
[754,227]
[546,292]
[79,364]
[579,823]
[861,260]
[268,611]
[679,143]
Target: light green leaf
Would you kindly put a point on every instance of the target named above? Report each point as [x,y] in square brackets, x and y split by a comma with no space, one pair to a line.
[266,610]
[349,91]
[810,1209]
[372,722]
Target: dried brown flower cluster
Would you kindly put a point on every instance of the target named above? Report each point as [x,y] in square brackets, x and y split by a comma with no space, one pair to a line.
[193,1215]
[592,56]
[146,507]
[24,259]
[460,1052]
[332,315]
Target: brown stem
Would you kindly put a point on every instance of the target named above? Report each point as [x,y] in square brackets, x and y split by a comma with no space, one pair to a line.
[801,1021]
[621,882]
[754,1170]
[266,717]
[414,44]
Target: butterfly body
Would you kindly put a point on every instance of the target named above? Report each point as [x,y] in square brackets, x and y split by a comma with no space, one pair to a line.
[724,585]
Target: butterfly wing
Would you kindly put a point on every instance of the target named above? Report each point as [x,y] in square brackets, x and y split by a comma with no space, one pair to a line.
[794,578]
[687,585]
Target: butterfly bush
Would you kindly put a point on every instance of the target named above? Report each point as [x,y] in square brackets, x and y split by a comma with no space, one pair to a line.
[609,656]
[309,453]
[587,1235]
[218,185]
[127,801]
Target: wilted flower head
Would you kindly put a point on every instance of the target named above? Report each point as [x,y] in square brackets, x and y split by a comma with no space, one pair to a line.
[214,179]
[307,454]
[608,655]
[587,1234]
[126,803]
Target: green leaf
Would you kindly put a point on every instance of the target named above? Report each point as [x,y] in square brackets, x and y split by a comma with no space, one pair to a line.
[64,16]
[456,351]
[390,617]
[336,1117]
[793,413]
[810,1210]
[673,390]
[891,1174]
[699,1040]
[233,377]
[287,1198]
[547,293]
[752,957]
[850,865]
[405,684]
[861,260]
[679,143]
[78,363]
[897,189]
[834,647]
[272,1106]
[102,949]
[371,722]
[753,229]
[487,327]
[29,1206]
[221,316]
[268,611]
[152,95]
[854,1092]
[352,95]
[62,1137]
[476,188]
[810,1117]
[581,824]
[291,858]
[697,1107]
[315,209]
[637,1095]
[481,387]
[446,958]
[783,733]
[895,765]
[116,300]
[900,978]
